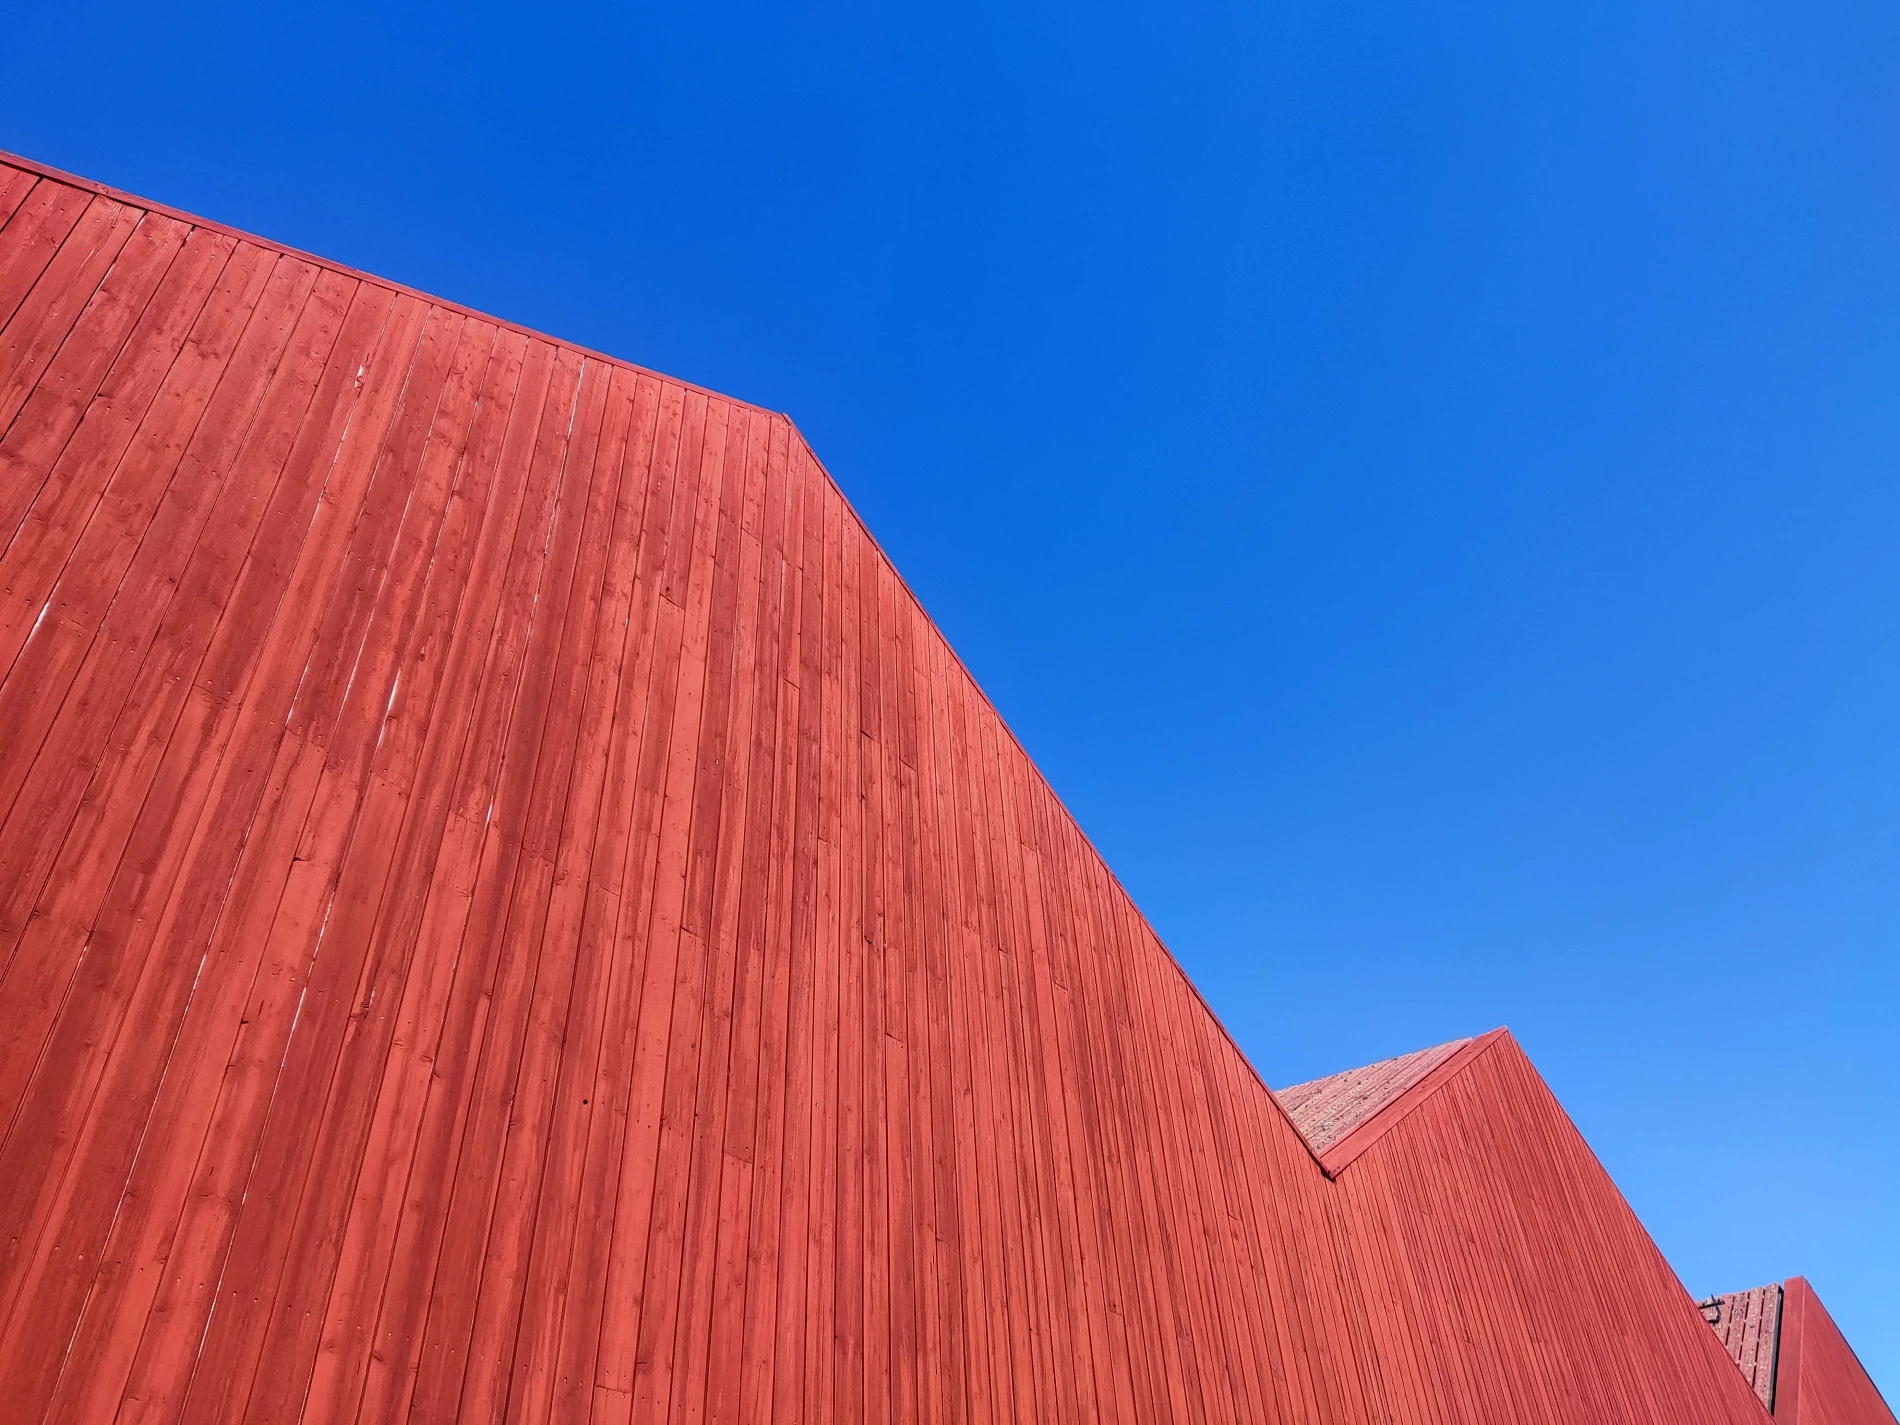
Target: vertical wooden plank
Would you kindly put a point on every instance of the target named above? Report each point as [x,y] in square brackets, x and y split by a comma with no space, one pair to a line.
[842,1349]
[986,1326]
[648,689]
[760,1110]
[682,911]
[745,1269]
[802,1269]
[654,931]
[577,1047]
[705,1377]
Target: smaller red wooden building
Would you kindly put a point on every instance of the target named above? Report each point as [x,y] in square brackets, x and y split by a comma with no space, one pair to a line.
[1795,1357]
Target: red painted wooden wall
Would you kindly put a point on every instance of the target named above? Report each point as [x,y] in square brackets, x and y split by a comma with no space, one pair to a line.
[508,909]
[1501,1267]
[1820,1379]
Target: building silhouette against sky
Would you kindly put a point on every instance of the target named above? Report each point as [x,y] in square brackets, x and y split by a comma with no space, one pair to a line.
[510,910]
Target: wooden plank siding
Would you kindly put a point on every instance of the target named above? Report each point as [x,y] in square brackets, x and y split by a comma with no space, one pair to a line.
[1819,1379]
[1794,1356]
[509,910]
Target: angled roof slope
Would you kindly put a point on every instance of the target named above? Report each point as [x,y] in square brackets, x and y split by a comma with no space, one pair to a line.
[509,909]
[1820,1379]
[1483,1231]
[1789,1348]
[1326,1110]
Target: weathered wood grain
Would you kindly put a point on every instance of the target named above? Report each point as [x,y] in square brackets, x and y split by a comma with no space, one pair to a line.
[509,910]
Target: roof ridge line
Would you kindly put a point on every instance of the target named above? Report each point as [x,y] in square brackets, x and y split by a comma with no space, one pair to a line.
[152,205]
[120,195]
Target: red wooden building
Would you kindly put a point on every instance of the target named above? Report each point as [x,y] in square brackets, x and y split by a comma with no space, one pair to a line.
[509,909]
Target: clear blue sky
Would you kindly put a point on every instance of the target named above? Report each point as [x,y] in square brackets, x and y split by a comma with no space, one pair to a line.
[1422,479]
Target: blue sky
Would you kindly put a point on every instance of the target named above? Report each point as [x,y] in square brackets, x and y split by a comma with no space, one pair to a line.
[1422,480]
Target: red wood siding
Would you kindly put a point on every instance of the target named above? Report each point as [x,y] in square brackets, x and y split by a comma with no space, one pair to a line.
[508,909]
[1502,1269]
[1820,1379]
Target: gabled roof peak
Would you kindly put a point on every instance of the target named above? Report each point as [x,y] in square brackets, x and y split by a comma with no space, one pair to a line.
[1325,1110]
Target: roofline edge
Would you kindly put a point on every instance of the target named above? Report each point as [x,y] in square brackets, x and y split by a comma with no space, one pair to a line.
[1341,1155]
